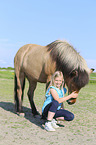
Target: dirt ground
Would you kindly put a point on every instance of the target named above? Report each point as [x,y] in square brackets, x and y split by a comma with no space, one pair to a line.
[27,130]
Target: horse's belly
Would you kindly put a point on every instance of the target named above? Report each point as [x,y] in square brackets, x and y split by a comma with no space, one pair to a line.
[35,74]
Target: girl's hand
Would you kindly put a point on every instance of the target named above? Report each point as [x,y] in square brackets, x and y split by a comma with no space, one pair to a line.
[74,94]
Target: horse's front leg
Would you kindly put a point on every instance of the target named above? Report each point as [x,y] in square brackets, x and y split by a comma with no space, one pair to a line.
[32,87]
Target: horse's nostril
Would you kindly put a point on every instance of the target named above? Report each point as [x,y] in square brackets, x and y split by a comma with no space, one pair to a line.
[69,102]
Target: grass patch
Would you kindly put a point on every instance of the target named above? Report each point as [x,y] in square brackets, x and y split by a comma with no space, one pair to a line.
[84,109]
[7,74]
[92,78]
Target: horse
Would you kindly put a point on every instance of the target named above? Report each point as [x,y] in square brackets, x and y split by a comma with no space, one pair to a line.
[38,63]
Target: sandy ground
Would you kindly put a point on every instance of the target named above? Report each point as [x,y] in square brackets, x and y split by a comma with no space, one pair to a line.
[27,130]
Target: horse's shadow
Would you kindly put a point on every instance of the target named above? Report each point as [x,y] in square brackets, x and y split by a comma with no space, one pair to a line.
[8,106]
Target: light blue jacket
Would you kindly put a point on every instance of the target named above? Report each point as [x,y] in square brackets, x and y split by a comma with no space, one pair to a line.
[49,97]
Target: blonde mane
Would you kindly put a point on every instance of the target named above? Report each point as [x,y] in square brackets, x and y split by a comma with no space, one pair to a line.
[67,56]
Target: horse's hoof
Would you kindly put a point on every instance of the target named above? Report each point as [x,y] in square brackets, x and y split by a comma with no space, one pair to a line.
[21,114]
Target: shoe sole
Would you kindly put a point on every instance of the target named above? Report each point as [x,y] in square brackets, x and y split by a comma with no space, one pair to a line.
[50,130]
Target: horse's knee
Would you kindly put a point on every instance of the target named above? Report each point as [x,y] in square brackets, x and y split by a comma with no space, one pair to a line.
[29,93]
[19,94]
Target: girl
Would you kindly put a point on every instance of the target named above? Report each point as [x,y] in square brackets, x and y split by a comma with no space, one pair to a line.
[51,109]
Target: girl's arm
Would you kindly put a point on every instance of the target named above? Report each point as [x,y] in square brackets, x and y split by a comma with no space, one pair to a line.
[61,100]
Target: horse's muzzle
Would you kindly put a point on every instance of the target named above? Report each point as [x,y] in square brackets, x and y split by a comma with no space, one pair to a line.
[71,101]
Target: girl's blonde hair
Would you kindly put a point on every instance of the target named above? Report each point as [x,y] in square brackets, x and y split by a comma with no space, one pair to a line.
[57,74]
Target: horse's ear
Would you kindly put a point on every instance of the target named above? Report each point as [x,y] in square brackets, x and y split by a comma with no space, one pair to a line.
[91,70]
[74,73]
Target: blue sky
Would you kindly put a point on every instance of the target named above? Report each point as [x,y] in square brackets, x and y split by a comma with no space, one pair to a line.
[43,21]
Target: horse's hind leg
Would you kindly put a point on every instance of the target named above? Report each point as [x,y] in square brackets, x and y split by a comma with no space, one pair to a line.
[32,87]
[18,91]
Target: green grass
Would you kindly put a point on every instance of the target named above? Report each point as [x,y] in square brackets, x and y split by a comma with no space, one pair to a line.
[92,78]
[6,74]
[7,90]
[84,109]
[7,87]
[93,75]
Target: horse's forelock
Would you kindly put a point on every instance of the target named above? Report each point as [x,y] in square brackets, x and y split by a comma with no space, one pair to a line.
[66,57]
[81,80]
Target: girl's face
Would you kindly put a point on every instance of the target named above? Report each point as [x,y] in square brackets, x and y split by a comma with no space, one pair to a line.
[58,81]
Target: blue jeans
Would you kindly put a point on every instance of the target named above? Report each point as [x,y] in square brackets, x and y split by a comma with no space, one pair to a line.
[52,107]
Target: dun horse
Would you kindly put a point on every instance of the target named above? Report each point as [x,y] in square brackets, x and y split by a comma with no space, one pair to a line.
[38,63]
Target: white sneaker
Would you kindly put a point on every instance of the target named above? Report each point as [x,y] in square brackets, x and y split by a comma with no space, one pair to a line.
[53,123]
[49,127]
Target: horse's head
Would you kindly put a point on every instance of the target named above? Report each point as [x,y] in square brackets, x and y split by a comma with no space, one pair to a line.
[72,65]
[75,81]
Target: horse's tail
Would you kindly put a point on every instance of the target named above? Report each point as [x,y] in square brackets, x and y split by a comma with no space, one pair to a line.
[23,86]
[16,99]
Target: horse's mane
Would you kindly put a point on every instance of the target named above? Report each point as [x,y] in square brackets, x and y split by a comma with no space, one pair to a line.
[66,56]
